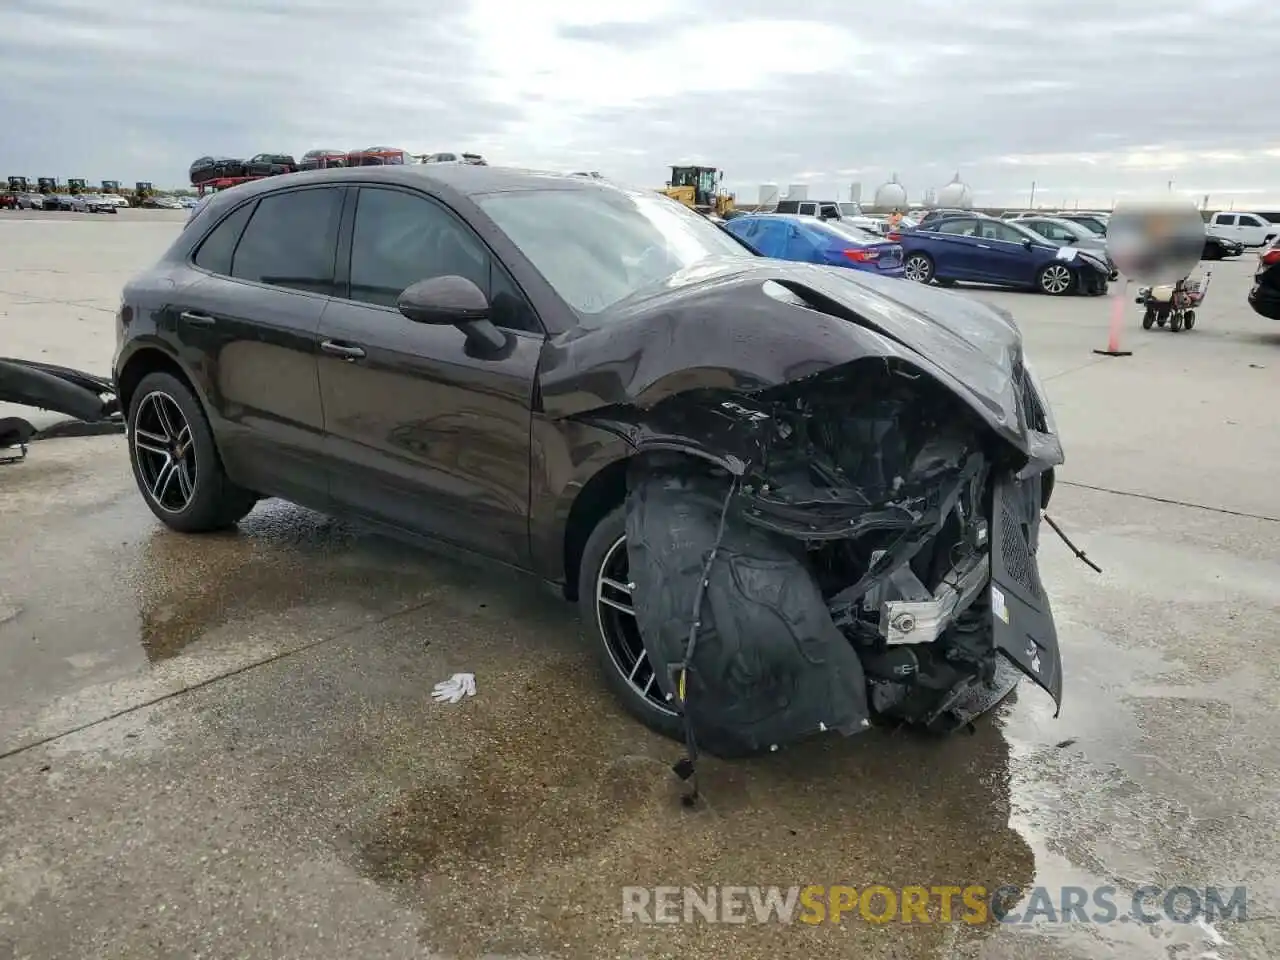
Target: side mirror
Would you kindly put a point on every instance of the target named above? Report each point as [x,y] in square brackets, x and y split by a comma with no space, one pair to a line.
[1026,242]
[452,301]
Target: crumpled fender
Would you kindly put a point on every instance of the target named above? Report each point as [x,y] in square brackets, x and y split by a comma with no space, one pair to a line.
[724,326]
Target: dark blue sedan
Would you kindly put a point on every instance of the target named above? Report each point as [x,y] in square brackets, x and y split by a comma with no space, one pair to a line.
[827,242]
[980,249]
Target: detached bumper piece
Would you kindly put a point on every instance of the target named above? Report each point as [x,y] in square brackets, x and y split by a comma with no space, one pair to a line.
[88,400]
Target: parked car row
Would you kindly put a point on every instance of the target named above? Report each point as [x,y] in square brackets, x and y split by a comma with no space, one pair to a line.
[1052,255]
[71,202]
[210,168]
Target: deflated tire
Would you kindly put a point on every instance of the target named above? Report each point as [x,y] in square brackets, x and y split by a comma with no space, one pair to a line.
[768,666]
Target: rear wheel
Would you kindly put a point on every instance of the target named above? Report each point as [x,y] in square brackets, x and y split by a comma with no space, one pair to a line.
[1189,319]
[175,460]
[919,267]
[1056,279]
[1148,319]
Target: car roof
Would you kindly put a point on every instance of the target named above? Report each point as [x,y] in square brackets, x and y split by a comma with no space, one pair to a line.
[467,180]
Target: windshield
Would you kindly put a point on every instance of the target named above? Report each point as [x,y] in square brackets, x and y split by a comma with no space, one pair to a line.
[1026,232]
[1079,231]
[1093,227]
[599,246]
[847,231]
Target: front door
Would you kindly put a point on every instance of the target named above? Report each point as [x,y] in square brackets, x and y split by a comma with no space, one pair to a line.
[253,317]
[422,434]
[1003,254]
[956,253]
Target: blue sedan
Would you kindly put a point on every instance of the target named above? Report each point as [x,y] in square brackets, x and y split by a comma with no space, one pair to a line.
[829,242]
[980,249]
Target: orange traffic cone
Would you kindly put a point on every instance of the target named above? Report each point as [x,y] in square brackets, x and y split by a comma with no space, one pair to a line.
[1117,322]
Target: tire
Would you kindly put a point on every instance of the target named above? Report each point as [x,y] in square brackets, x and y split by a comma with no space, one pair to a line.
[610,534]
[770,666]
[1056,279]
[211,500]
[1175,321]
[919,267]
[1148,319]
[1189,319]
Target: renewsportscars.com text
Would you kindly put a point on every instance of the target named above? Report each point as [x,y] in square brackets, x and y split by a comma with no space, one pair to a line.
[973,904]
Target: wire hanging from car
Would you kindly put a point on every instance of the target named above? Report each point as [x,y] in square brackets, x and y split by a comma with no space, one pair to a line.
[1080,554]
[685,768]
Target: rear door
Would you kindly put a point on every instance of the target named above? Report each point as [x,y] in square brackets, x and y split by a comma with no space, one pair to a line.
[251,321]
[422,434]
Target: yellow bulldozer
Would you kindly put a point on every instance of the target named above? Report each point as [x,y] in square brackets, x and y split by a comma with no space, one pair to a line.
[699,188]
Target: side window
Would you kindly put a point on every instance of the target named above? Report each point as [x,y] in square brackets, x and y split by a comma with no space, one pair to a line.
[809,209]
[215,251]
[1249,221]
[291,240]
[508,306]
[800,244]
[400,239]
[1225,219]
[958,228]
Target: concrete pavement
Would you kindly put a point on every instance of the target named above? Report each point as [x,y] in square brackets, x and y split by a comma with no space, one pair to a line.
[226,746]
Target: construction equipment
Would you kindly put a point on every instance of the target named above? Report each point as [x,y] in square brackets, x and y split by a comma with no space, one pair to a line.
[700,189]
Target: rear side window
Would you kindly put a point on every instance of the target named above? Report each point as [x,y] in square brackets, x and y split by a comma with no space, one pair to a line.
[1225,219]
[958,228]
[291,240]
[215,252]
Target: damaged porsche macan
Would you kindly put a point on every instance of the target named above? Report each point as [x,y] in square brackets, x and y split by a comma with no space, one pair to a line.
[789,499]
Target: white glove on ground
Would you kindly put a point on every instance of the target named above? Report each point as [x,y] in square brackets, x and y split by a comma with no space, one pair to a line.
[455,688]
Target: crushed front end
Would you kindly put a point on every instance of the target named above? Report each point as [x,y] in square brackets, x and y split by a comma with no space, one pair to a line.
[855,546]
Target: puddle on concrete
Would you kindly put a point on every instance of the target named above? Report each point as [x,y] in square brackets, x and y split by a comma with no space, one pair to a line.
[556,801]
[280,557]
[1101,807]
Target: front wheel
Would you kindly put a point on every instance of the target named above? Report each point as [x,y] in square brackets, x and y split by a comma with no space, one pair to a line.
[1189,319]
[1056,280]
[919,267]
[1148,319]
[608,616]
[175,460]
[1175,321]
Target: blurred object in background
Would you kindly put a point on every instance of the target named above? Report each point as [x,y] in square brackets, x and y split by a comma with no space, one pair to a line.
[1156,241]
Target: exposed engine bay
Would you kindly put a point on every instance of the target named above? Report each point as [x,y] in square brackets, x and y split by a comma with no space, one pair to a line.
[874,553]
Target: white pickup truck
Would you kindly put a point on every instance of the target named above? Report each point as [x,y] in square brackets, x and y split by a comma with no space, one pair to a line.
[1251,229]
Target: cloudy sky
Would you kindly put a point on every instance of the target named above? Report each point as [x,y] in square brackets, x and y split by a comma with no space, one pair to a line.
[1091,100]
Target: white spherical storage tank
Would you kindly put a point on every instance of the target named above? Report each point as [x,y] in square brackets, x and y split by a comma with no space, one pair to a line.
[891,195]
[955,195]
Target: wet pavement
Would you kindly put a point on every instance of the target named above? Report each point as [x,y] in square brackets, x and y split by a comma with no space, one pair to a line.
[226,746]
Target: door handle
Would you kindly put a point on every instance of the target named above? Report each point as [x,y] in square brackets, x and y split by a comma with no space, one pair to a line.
[984,246]
[344,350]
[197,319]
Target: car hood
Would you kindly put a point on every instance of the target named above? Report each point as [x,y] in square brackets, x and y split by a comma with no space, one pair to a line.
[748,324]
